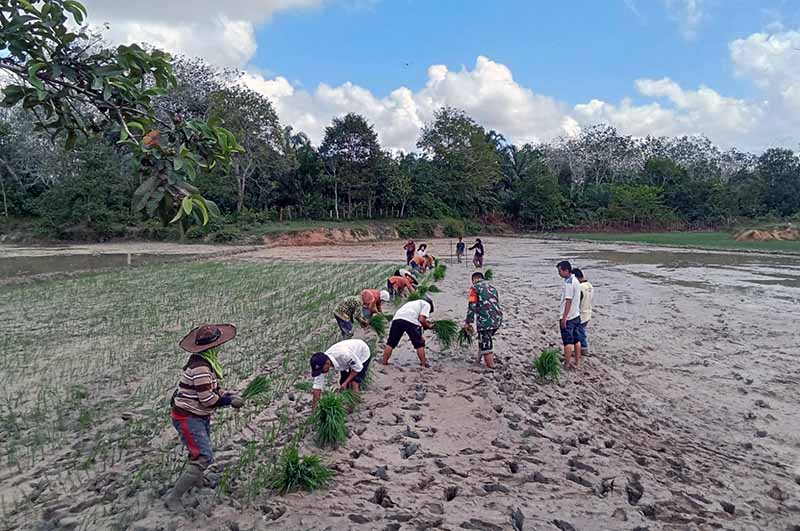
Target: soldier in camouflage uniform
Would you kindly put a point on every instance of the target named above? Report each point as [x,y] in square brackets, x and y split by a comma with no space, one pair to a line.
[484,310]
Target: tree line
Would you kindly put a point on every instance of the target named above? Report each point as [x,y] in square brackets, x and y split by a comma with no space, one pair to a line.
[599,179]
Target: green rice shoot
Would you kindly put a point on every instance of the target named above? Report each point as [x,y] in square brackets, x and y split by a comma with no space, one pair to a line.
[446,331]
[330,421]
[294,472]
[488,274]
[464,339]
[439,271]
[378,324]
[257,386]
[548,365]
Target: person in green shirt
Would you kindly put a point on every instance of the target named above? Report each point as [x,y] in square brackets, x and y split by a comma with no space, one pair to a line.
[348,311]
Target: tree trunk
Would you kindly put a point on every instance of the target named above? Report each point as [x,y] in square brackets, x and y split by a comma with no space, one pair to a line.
[402,207]
[335,194]
[5,199]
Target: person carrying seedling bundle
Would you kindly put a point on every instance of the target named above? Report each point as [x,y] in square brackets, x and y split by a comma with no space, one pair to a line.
[410,319]
[484,310]
[409,248]
[349,310]
[401,285]
[350,357]
[461,249]
[371,300]
[477,259]
[196,398]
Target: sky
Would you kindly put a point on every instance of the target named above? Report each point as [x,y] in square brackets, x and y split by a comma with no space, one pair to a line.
[533,70]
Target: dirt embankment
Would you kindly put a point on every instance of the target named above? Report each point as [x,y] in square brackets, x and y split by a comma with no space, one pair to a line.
[330,236]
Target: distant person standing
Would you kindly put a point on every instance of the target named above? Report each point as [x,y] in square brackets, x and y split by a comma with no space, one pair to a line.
[477,260]
[461,249]
[570,314]
[422,250]
[410,247]
[587,291]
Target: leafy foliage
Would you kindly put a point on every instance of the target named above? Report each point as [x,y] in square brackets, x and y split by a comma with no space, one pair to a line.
[294,472]
[439,272]
[488,274]
[548,365]
[378,323]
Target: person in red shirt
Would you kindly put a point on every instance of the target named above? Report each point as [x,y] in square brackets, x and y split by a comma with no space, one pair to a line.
[410,247]
[371,300]
[401,284]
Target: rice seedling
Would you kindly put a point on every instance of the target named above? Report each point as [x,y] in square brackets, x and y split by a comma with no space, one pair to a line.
[257,386]
[439,271]
[422,290]
[378,324]
[446,331]
[350,399]
[488,274]
[303,386]
[464,339]
[294,472]
[548,365]
[330,420]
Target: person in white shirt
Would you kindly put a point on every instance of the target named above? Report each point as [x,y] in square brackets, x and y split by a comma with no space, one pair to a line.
[570,314]
[350,357]
[587,292]
[411,319]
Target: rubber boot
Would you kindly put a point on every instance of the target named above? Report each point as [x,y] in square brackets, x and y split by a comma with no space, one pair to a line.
[192,476]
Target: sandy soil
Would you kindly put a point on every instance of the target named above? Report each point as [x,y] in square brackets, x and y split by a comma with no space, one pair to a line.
[684,417]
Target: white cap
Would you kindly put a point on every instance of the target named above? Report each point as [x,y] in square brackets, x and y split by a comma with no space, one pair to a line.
[385,296]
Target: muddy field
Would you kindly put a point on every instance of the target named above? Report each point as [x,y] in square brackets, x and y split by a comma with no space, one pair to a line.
[684,417]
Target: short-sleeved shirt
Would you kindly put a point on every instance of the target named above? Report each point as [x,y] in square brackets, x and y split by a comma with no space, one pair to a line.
[411,311]
[370,297]
[347,355]
[570,290]
[349,308]
[419,260]
[399,283]
[587,291]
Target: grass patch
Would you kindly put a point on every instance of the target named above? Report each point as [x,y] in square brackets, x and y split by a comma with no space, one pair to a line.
[548,365]
[702,240]
[330,420]
[446,331]
[294,472]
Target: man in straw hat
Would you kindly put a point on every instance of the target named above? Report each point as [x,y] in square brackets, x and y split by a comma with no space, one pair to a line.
[350,357]
[196,398]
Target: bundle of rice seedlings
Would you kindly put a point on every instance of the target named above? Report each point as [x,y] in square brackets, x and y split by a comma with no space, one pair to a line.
[464,339]
[350,399]
[439,272]
[446,331]
[548,365]
[488,274]
[330,420]
[432,289]
[378,323]
[257,386]
[294,473]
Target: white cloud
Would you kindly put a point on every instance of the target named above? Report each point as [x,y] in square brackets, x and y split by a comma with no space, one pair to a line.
[221,32]
[488,93]
[689,14]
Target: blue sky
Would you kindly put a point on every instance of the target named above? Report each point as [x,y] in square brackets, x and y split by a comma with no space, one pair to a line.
[576,50]
[534,70]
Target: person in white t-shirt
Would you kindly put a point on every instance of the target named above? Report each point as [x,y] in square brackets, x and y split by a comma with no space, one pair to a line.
[410,319]
[570,314]
[350,357]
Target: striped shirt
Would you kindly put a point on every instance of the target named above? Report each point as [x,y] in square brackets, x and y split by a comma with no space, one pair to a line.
[198,391]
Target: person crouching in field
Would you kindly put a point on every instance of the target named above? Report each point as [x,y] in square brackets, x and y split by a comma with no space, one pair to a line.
[570,314]
[350,357]
[410,319]
[400,284]
[371,300]
[587,292]
[419,264]
[484,310]
[348,311]
[196,398]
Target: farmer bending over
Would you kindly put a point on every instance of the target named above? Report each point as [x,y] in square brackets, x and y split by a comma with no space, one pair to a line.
[348,311]
[411,319]
[350,357]
[371,301]
[196,398]
[484,310]
[401,285]
[419,264]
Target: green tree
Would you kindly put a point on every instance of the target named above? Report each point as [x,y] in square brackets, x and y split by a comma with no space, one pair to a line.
[780,170]
[637,204]
[77,89]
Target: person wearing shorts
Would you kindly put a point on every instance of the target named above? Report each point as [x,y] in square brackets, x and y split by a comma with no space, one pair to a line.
[477,259]
[587,293]
[570,314]
[484,310]
[411,319]
[350,357]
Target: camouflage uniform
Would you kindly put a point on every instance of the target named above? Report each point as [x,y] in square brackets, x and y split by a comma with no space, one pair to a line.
[348,310]
[484,309]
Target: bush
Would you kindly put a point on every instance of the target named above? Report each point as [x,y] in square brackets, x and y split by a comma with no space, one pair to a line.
[548,365]
[416,228]
[228,233]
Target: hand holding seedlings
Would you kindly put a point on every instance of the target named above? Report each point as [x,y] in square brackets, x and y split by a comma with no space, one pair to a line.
[351,357]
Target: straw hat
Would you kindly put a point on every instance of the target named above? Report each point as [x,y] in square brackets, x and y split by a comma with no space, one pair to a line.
[207,336]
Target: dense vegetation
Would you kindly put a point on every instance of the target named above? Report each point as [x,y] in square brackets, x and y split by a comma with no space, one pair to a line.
[599,179]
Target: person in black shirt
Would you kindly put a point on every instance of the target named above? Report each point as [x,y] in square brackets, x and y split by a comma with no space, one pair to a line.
[477,260]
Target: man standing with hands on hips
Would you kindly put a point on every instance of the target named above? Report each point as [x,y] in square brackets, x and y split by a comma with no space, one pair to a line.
[570,314]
